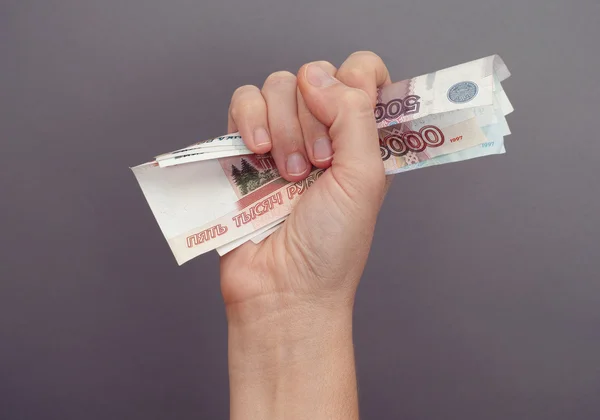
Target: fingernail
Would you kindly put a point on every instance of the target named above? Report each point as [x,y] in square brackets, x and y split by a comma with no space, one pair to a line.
[296,164]
[261,137]
[318,77]
[322,150]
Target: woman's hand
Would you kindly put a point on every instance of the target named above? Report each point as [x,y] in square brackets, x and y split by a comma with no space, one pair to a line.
[289,299]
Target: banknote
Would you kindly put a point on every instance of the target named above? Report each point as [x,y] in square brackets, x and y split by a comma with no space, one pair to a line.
[206,204]
[185,197]
[216,194]
[400,144]
[467,85]
[474,87]
[197,156]
[257,236]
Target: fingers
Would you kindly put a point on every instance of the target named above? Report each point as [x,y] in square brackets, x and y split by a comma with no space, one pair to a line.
[366,71]
[362,70]
[288,151]
[248,115]
[316,134]
[348,112]
[279,120]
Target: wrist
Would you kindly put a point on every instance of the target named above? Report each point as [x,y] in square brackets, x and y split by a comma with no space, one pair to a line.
[287,307]
[288,352]
[289,328]
[274,322]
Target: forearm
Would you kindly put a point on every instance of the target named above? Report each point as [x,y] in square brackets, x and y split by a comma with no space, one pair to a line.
[294,363]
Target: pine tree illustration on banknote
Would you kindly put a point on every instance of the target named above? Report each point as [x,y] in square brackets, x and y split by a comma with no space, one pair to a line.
[247,173]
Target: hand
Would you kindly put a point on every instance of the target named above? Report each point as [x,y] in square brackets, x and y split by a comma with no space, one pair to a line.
[320,252]
[289,299]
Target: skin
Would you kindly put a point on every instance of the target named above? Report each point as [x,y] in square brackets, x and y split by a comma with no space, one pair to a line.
[289,299]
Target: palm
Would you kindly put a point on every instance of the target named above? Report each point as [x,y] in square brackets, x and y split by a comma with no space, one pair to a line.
[316,242]
[323,245]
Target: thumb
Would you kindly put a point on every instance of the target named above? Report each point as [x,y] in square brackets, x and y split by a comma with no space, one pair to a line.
[348,112]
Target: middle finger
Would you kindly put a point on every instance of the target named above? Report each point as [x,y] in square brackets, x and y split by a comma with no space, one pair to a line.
[279,91]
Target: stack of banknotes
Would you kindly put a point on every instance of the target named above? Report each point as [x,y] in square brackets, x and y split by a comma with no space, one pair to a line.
[217,194]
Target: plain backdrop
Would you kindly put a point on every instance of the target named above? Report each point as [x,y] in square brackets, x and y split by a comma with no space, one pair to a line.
[481,298]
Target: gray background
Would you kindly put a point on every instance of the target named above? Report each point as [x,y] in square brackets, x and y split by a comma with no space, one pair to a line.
[480,299]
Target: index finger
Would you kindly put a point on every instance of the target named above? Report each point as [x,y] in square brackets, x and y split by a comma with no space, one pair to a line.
[365,70]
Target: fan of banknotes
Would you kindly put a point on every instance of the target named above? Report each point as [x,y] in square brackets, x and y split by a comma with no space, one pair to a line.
[217,194]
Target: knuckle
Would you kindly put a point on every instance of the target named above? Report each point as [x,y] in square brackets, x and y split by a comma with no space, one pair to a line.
[243,101]
[242,90]
[357,100]
[241,108]
[279,77]
[235,110]
[352,76]
[365,54]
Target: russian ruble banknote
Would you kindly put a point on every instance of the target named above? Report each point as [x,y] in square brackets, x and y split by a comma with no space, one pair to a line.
[217,194]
